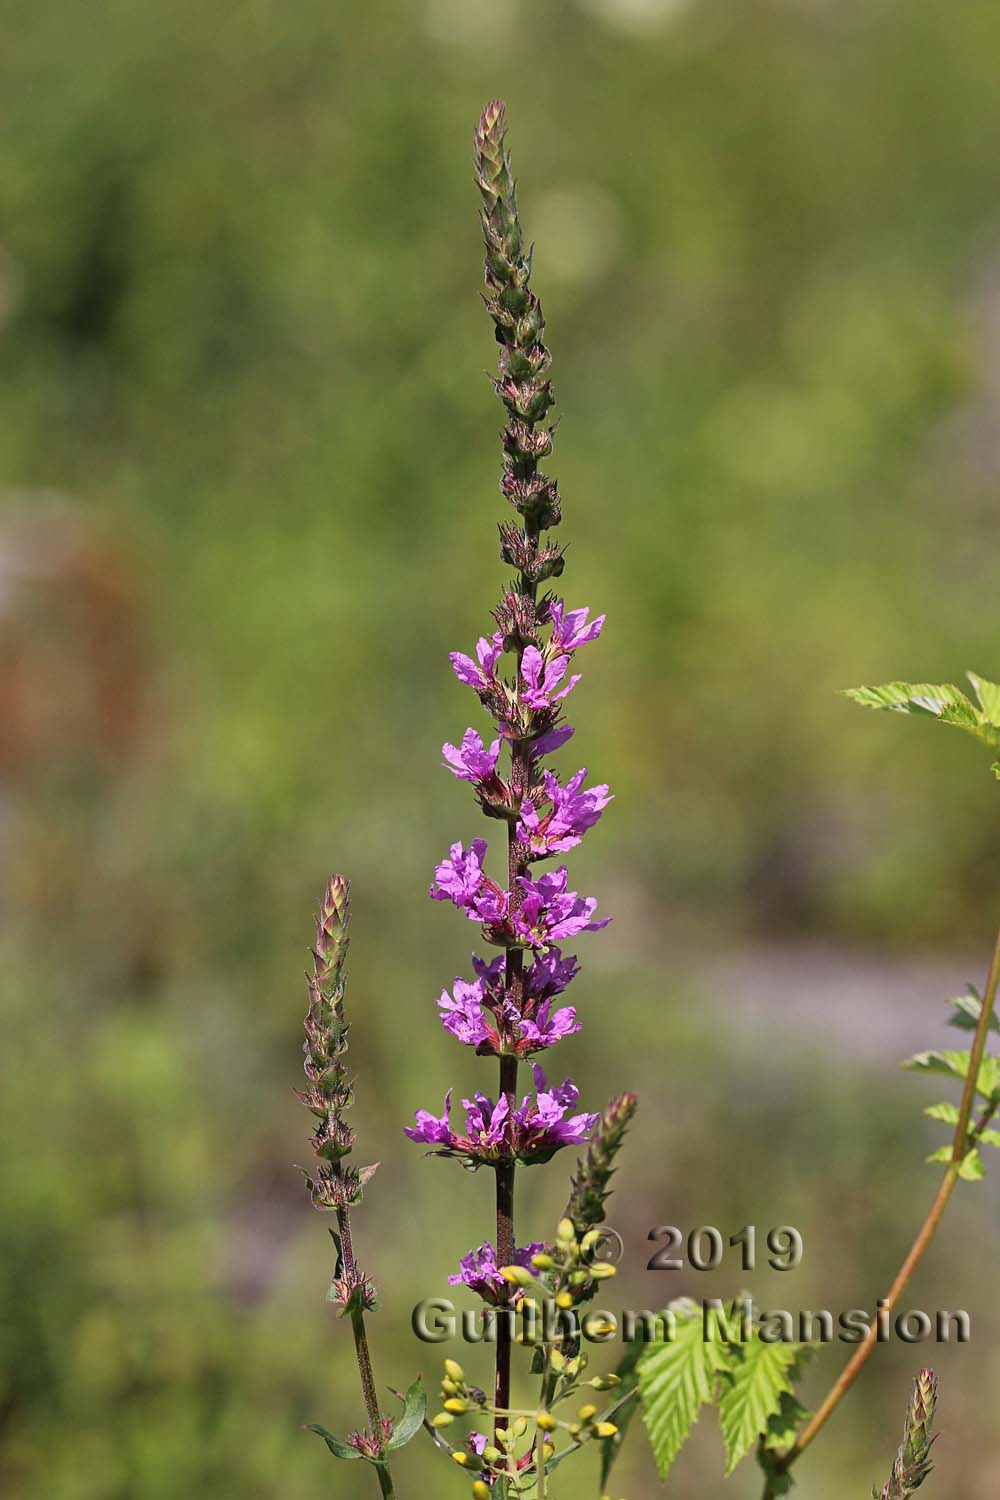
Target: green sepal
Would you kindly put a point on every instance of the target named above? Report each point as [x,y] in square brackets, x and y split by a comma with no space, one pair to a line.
[411,1420]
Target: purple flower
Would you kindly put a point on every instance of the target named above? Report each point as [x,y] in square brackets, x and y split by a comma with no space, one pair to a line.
[429,1130]
[480,1273]
[488,653]
[482,1015]
[550,912]
[573,811]
[459,877]
[472,761]
[542,677]
[570,631]
[462,1012]
[546,1029]
[530,1132]
[477,1443]
[554,740]
[550,974]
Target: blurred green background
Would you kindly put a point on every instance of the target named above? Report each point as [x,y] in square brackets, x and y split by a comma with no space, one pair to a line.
[249,499]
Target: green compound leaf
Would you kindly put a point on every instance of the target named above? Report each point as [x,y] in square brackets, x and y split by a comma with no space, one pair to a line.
[760,1375]
[336,1447]
[676,1379]
[414,1407]
[941,701]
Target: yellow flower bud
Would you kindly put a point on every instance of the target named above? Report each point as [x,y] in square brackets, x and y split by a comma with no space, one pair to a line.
[590,1239]
[548,1450]
[542,1262]
[492,1455]
[546,1421]
[517,1275]
[450,1387]
[480,1491]
[605,1429]
[462,1459]
[520,1426]
[602,1269]
[605,1382]
[443,1419]
[565,1233]
[557,1359]
[456,1405]
[564,1299]
[587,1413]
[454,1370]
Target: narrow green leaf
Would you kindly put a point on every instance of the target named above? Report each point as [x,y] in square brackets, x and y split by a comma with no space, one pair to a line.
[414,1407]
[336,1447]
[627,1371]
[676,1378]
[751,1395]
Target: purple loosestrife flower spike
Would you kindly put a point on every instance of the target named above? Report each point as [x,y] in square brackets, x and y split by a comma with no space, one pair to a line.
[521,672]
[913,1461]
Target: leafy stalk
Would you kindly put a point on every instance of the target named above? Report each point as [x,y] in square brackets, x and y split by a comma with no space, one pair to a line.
[334,1184]
[964,1140]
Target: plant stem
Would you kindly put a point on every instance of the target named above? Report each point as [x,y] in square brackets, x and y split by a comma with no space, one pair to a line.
[363,1353]
[865,1349]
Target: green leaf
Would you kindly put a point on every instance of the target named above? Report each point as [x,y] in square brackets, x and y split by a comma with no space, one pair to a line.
[760,1375]
[676,1378]
[989,1137]
[988,694]
[968,1008]
[336,1447]
[946,1112]
[972,1169]
[937,700]
[414,1407]
[956,1065]
[783,1425]
[627,1371]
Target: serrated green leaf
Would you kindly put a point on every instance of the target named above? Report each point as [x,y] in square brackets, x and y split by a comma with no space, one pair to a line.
[783,1425]
[676,1378]
[627,1371]
[972,1169]
[942,701]
[759,1375]
[337,1448]
[988,694]
[414,1407]
[948,1113]
[968,1008]
[989,1137]
[956,1065]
